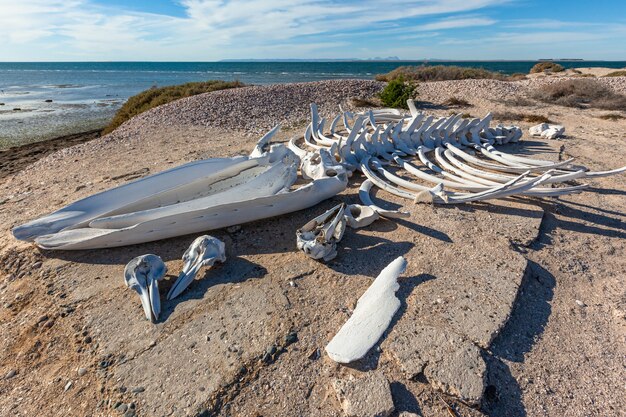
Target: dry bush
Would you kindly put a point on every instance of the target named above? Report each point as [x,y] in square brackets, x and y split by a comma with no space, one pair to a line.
[456,102]
[516,77]
[519,102]
[581,93]
[612,116]
[546,67]
[463,115]
[158,96]
[439,73]
[526,117]
[364,102]
[621,73]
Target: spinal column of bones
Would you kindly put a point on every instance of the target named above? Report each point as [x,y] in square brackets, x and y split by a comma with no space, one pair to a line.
[454,152]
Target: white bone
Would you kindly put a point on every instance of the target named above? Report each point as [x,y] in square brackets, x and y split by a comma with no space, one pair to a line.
[371,317]
[204,251]
[142,275]
[358,216]
[318,238]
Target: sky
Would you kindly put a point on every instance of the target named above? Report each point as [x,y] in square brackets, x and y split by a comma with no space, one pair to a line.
[212,30]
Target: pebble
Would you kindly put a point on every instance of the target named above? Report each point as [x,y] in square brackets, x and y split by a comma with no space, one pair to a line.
[82,371]
[121,408]
[130,413]
[37,265]
[68,386]
[10,374]
[580,303]
[292,337]
[138,390]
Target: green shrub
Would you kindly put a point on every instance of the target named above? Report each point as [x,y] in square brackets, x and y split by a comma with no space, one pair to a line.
[546,67]
[158,96]
[621,73]
[397,92]
[581,93]
[439,73]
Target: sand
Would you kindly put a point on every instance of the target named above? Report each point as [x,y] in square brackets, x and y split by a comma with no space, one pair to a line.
[535,286]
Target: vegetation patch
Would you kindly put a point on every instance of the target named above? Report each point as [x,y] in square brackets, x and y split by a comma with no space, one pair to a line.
[581,93]
[546,67]
[526,117]
[621,73]
[456,102]
[439,73]
[154,97]
[611,116]
[364,102]
[397,92]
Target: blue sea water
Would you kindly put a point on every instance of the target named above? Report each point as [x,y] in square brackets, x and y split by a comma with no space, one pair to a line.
[86,94]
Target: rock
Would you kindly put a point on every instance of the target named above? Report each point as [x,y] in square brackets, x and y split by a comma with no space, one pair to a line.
[122,408]
[68,386]
[48,101]
[580,303]
[129,413]
[82,371]
[407,414]
[138,390]
[16,109]
[292,337]
[367,396]
[449,361]
[37,265]
[10,374]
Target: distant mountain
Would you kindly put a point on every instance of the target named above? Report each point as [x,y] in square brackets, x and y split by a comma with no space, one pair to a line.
[390,58]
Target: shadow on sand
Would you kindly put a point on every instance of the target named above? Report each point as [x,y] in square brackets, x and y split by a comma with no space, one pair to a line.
[527,322]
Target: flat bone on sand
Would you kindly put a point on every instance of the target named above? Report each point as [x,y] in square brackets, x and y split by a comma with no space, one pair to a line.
[371,317]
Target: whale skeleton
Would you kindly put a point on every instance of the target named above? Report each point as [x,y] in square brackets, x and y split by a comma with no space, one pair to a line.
[449,160]
[446,160]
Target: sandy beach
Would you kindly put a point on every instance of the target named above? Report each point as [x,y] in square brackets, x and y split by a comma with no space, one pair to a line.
[534,286]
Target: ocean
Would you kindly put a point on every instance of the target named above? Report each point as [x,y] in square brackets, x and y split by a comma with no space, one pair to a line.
[58,98]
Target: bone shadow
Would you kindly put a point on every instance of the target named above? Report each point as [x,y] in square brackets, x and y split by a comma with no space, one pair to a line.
[235,270]
[407,285]
[360,254]
[527,147]
[572,218]
[404,399]
[168,249]
[527,322]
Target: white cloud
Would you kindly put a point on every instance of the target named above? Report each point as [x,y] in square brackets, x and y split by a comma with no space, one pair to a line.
[210,29]
[219,29]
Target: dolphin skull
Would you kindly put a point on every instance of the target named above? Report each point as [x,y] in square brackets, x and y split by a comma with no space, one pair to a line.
[142,275]
[204,251]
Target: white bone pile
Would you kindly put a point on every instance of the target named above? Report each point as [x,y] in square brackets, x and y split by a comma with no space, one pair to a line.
[547,131]
[446,160]
[318,238]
